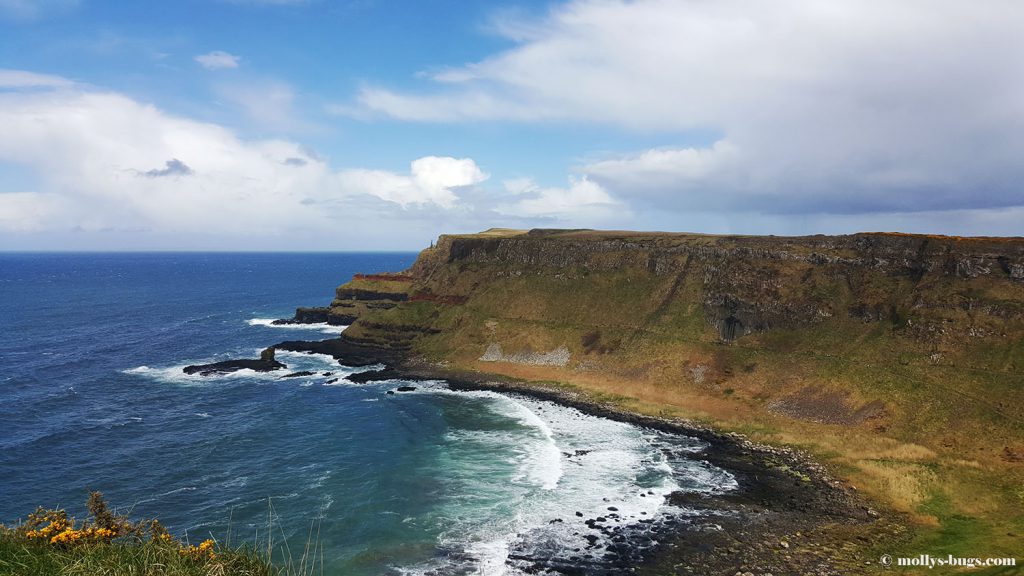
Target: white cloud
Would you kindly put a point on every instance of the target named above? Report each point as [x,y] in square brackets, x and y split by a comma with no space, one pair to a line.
[115,163]
[583,201]
[668,167]
[20,79]
[218,60]
[431,180]
[844,106]
[112,172]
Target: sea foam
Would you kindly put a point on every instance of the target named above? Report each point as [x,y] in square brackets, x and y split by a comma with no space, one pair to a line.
[320,326]
[573,463]
[296,362]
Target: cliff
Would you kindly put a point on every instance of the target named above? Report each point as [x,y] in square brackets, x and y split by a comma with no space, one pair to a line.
[936,295]
[895,358]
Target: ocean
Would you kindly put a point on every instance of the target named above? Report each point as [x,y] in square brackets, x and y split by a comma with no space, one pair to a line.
[92,397]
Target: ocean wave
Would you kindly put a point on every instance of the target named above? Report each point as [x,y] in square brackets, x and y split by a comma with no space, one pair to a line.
[167,493]
[325,504]
[176,375]
[319,327]
[235,482]
[574,467]
[307,358]
[113,421]
[323,367]
[544,463]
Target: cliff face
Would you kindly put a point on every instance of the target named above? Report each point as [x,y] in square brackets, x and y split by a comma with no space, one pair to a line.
[813,327]
[952,287]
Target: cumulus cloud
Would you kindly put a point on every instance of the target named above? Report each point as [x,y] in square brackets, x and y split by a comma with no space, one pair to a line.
[218,60]
[581,201]
[670,166]
[89,148]
[109,166]
[431,180]
[839,107]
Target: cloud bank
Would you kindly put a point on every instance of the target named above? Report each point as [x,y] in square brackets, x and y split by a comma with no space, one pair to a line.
[108,164]
[833,116]
[840,107]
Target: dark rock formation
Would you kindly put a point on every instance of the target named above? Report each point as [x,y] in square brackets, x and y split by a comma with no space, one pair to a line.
[375,375]
[299,374]
[307,316]
[359,294]
[266,363]
[342,350]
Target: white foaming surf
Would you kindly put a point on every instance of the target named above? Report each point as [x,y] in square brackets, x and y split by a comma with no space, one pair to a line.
[323,366]
[305,358]
[319,326]
[176,375]
[574,467]
[543,466]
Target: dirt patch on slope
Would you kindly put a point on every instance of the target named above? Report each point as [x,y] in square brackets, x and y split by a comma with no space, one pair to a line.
[827,407]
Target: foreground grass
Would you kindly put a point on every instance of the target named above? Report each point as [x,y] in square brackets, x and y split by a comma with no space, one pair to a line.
[128,558]
[50,543]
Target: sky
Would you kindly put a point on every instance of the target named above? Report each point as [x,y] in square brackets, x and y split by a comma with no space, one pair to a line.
[379,125]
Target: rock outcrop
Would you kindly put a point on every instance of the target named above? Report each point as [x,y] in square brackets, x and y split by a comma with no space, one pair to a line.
[367,293]
[317,315]
[266,363]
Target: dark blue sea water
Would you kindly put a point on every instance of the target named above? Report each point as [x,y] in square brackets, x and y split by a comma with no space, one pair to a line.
[92,397]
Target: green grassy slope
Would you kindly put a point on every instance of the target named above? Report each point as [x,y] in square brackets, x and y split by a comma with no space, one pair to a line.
[897,359]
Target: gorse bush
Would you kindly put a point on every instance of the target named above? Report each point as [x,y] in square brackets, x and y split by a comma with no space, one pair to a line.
[54,526]
[49,542]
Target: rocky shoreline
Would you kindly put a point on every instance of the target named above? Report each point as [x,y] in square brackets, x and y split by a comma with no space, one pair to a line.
[788,516]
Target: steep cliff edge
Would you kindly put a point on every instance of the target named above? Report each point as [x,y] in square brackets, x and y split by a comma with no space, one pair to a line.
[937,301]
[897,359]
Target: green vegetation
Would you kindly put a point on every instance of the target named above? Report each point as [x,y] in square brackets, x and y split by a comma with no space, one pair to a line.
[50,543]
[893,359]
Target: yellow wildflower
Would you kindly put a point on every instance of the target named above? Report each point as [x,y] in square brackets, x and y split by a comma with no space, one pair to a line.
[67,536]
[205,549]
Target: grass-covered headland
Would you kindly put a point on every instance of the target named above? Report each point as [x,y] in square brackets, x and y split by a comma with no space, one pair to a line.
[895,360]
[49,543]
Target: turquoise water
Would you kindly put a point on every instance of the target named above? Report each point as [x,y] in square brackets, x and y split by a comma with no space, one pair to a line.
[92,397]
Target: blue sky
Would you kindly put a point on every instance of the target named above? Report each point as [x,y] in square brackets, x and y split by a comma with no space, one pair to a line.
[248,124]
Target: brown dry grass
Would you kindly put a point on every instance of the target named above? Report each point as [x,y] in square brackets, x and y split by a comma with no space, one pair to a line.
[926,481]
